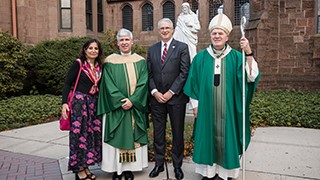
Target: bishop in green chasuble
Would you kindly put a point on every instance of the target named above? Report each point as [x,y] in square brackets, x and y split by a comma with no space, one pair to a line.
[218,128]
[215,83]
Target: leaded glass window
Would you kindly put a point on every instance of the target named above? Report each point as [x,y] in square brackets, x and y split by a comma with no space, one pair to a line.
[147,17]
[241,7]
[127,17]
[169,11]
[215,6]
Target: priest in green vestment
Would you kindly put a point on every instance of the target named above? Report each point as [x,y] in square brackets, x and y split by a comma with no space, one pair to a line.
[215,87]
[123,103]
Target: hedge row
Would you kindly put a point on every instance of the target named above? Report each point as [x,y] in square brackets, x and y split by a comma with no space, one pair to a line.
[273,108]
[42,69]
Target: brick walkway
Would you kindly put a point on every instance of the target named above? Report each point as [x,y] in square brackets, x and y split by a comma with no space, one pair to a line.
[17,166]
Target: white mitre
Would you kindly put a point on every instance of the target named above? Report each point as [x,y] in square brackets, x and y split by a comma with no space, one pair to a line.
[221,21]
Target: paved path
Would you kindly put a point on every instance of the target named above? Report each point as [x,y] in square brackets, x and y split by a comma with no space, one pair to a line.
[275,153]
[21,166]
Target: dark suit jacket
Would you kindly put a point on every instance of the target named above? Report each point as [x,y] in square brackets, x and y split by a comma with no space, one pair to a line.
[170,75]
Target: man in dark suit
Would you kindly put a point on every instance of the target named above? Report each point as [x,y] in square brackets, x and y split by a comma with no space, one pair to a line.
[168,64]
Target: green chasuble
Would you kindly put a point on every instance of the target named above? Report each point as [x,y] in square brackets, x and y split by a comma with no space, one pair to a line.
[124,76]
[218,127]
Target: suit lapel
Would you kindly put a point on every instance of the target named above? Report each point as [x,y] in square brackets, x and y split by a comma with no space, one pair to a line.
[158,53]
[170,51]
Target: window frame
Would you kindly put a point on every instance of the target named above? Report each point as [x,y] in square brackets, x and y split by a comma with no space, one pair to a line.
[62,9]
[213,8]
[89,16]
[130,17]
[169,14]
[100,17]
[150,23]
[237,11]
[317,17]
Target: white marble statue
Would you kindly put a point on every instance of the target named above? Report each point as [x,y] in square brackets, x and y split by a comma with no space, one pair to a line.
[187,28]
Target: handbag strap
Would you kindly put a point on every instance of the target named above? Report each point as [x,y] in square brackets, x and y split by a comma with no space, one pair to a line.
[76,84]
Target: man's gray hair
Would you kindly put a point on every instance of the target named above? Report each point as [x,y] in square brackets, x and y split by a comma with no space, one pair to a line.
[124,32]
[165,20]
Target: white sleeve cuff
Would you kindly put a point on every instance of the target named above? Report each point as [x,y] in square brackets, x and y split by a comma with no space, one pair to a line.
[194,103]
[153,91]
[254,71]
[171,92]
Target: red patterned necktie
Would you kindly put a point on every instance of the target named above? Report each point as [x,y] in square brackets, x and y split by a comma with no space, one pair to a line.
[164,53]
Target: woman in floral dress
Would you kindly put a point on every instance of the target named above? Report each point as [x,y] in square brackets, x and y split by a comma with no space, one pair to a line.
[85,132]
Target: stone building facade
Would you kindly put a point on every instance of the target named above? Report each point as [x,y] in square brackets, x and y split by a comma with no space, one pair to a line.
[284,34]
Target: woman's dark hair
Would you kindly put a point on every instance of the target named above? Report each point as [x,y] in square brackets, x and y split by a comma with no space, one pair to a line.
[82,55]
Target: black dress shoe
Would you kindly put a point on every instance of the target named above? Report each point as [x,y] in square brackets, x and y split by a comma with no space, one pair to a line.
[206,178]
[155,171]
[178,173]
[115,176]
[128,175]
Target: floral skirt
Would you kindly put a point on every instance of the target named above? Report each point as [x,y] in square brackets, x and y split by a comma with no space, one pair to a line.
[85,138]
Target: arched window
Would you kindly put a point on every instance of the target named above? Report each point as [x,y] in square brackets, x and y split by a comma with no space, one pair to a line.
[240,9]
[147,17]
[168,10]
[127,17]
[214,8]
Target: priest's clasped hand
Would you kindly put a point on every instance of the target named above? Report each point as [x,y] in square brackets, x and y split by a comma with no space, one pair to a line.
[127,104]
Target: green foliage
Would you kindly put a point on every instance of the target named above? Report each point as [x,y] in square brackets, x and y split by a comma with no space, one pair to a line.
[28,110]
[13,57]
[286,108]
[109,42]
[49,62]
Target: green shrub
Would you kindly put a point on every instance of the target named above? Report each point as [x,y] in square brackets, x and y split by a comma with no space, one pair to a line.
[28,110]
[13,57]
[286,108]
[49,62]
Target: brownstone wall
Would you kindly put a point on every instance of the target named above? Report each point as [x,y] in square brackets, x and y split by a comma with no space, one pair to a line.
[38,20]
[283,35]
[113,18]
[5,16]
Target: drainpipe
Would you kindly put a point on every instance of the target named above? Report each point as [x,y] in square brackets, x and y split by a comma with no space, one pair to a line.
[14,18]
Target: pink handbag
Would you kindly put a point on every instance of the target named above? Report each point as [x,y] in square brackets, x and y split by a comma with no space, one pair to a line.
[65,123]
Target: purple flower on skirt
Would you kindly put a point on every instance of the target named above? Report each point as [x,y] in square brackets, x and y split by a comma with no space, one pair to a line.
[79,96]
[82,139]
[76,123]
[76,131]
[82,146]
